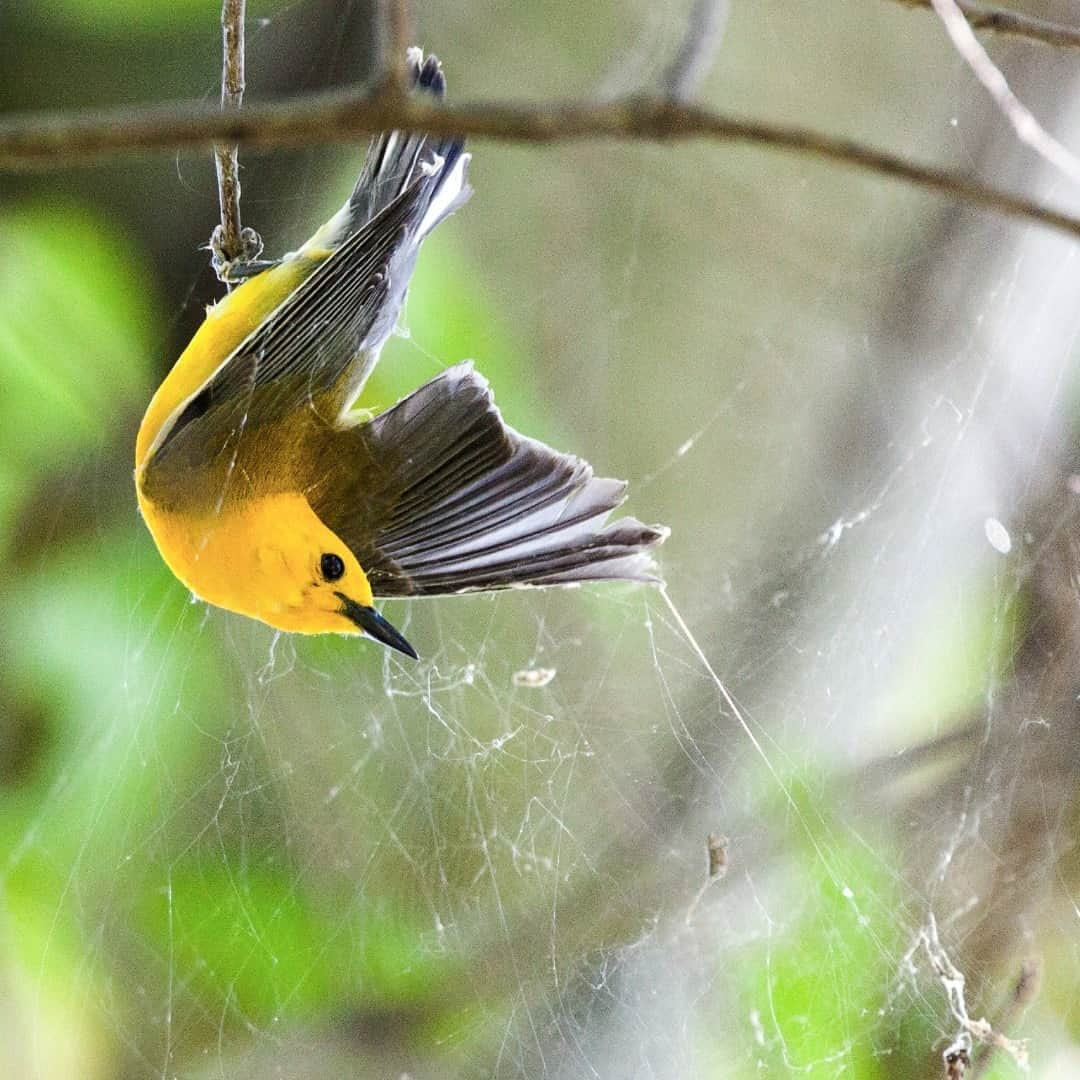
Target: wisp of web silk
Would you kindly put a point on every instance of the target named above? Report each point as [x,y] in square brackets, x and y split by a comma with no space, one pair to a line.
[726,698]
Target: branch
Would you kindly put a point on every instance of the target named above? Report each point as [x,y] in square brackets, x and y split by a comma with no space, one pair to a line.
[1010,22]
[1028,129]
[705,31]
[953,982]
[1024,991]
[60,140]
[230,243]
[397,36]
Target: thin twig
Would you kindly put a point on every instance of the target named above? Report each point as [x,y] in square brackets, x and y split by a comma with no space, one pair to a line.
[397,33]
[704,32]
[230,242]
[62,140]
[1023,993]
[953,982]
[1011,22]
[1027,127]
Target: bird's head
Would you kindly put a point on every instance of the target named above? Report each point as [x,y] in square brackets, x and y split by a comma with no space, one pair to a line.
[273,559]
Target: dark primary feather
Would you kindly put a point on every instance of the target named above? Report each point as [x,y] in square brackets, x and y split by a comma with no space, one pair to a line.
[447,498]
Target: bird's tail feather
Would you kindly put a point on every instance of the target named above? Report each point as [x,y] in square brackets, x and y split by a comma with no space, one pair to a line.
[471,504]
[394,158]
[432,169]
[426,173]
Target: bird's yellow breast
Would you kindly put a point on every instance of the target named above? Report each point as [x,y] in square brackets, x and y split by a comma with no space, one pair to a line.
[256,558]
[214,555]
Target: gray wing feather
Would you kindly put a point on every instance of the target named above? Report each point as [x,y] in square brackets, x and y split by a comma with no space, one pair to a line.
[325,337]
[464,502]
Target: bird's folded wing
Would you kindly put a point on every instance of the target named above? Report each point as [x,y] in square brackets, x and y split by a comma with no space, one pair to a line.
[304,348]
[451,499]
[317,346]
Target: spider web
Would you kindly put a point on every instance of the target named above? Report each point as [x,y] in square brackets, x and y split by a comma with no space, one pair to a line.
[803,811]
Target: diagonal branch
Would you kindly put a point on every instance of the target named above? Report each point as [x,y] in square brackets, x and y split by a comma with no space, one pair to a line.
[59,141]
[1028,129]
[953,982]
[1011,23]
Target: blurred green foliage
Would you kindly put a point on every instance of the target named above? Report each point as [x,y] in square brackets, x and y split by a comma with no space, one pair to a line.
[818,986]
[76,311]
[121,20]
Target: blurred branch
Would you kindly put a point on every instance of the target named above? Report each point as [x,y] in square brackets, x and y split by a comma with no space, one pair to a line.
[1027,127]
[961,734]
[705,31]
[397,36]
[62,140]
[1010,22]
[953,983]
[230,243]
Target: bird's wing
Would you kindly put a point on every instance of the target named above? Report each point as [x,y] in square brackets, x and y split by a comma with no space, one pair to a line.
[309,330]
[449,499]
[317,346]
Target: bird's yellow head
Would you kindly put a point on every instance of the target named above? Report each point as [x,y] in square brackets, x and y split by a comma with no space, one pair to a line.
[272,559]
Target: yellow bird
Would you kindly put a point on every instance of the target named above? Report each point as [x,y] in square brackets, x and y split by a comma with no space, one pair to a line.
[267,496]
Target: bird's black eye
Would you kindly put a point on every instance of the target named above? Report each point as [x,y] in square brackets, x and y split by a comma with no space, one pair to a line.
[332,566]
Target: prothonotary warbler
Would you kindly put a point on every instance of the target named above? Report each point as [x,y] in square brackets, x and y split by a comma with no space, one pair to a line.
[266,495]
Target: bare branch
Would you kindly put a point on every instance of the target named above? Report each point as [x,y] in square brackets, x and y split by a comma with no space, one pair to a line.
[397,36]
[230,242]
[1011,23]
[59,141]
[1028,129]
[707,22]
[232,95]
[1024,991]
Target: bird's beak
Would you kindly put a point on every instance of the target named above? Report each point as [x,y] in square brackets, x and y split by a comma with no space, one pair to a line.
[374,625]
